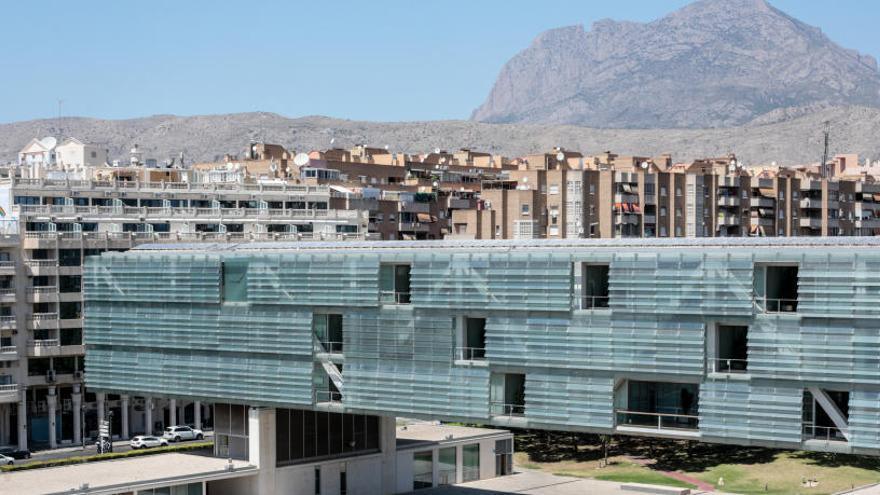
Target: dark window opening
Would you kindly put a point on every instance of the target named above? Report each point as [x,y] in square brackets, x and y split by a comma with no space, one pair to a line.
[303,436]
[329,331]
[595,286]
[731,349]
[394,284]
[776,288]
[508,394]
[234,280]
[660,405]
[472,340]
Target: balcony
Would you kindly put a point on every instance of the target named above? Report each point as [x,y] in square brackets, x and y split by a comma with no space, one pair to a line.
[8,353]
[868,223]
[414,227]
[7,321]
[813,223]
[42,294]
[626,218]
[660,422]
[728,201]
[762,202]
[53,348]
[728,366]
[9,393]
[728,181]
[43,320]
[727,219]
[808,203]
[7,268]
[7,294]
[470,354]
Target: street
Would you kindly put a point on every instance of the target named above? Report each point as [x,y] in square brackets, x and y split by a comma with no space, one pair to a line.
[90,449]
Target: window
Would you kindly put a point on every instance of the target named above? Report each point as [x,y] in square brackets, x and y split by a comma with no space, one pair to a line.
[678,191]
[446,471]
[394,285]
[503,457]
[594,283]
[776,288]
[507,394]
[70,310]
[317,480]
[663,191]
[659,405]
[328,331]
[69,257]
[470,336]
[554,188]
[525,208]
[304,436]
[470,462]
[678,212]
[423,470]
[729,353]
[234,280]
[662,211]
[592,188]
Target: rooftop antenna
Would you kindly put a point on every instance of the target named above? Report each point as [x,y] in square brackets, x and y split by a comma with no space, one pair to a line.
[60,133]
[826,132]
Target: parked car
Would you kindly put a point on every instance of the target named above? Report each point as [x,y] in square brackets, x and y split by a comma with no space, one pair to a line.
[15,453]
[6,461]
[178,433]
[146,442]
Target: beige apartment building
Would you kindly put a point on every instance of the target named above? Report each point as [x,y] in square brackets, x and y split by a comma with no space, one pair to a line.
[566,195]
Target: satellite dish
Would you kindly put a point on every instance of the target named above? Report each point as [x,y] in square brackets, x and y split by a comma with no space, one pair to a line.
[300,159]
[332,140]
[644,165]
[436,150]
[49,142]
[560,156]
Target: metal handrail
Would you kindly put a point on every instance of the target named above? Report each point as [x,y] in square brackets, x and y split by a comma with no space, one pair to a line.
[323,396]
[470,353]
[827,433]
[12,387]
[725,365]
[44,316]
[498,408]
[773,305]
[331,347]
[45,343]
[8,349]
[678,421]
[394,297]
[594,302]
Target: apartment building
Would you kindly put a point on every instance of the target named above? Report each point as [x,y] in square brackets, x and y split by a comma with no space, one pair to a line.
[608,196]
[717,340]
[54,224]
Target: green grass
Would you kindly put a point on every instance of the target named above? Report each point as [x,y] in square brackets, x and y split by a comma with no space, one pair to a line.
[105,457]
[642,475]
[786,471]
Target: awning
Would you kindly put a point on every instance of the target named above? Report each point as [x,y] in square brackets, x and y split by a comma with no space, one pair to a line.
[753,230]
[408,237]
[635,208]
[767,192]
[618,207]
[627,188]
[424,218]
[876,197]
[762,212]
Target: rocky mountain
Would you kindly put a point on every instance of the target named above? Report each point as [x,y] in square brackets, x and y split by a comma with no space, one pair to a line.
[714,63]
[793,139]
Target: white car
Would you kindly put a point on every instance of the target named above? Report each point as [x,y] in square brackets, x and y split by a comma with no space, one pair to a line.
[6,461]
[178,433]
[146,442]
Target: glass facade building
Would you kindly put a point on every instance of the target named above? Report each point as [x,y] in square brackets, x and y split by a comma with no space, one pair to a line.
[772,342]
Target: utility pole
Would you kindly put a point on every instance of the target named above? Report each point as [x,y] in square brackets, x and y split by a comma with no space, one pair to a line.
[824,163]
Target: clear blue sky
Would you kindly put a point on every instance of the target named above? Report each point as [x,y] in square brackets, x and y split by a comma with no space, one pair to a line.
[368,60]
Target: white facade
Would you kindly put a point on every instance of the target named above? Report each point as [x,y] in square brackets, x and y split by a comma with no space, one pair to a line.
[73,153]
[38,152]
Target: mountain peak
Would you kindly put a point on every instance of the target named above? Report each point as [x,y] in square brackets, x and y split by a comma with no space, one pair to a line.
[712,63]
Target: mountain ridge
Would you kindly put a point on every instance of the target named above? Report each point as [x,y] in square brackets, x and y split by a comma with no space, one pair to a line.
[712,63]
[794,140]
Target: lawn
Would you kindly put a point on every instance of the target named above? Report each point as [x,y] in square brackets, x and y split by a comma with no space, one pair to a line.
[745,470]
[786,472]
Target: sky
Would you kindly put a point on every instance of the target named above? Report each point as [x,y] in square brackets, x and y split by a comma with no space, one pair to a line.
[379,60]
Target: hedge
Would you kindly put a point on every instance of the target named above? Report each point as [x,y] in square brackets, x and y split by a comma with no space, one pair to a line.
[105,457]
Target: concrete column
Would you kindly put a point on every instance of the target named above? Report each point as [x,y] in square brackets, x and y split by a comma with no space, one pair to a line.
[197,415]
[148,415]
[76,397]
[52,405]
[172,412]
[261,448]
[388,447]
[100,398]
[4,424]
[22,421]
[124,410]
[208,410]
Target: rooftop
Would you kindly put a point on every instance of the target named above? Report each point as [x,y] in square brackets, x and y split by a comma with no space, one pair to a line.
[421,434]
[532,244]
[122,475]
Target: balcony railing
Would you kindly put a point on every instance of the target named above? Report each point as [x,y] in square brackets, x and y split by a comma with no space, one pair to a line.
[324,396]
[504,409]
[470,353]
[771,305]
[7,264]
[725,365]
[8,349]
[659,421]
[331,347]
[594,302]
[9,390]
[49,289]
[827,433]
[89,185]
[44,316]
[42,263]
[394,297]
[45,343]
